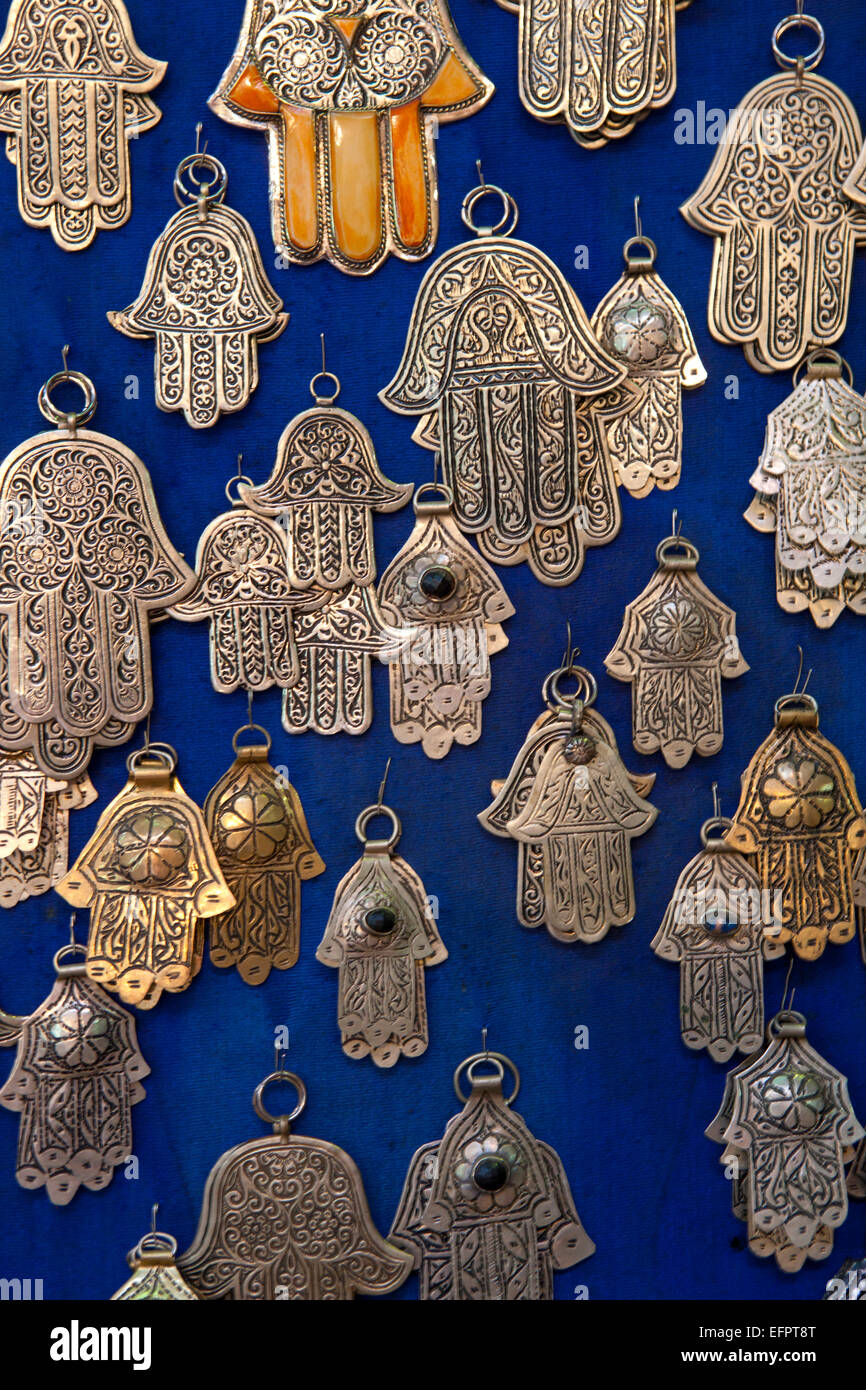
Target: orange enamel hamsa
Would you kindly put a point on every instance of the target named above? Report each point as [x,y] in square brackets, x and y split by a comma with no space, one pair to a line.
[349,93]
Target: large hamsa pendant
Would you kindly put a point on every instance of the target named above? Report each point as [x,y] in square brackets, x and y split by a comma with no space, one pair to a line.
[259,832]
[487,1212]
[150,877]
[810,487]
[73,93]
[77,1074]
[349,93]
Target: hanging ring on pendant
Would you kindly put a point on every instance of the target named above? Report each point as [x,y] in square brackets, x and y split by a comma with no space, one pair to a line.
[722,823]
[232,483]
[827,363]
[499,1064]
[798,700]
[258,1098]
[434,508]
[510,212]
[640,262]
[66,419]
[155,1243]
[160,753]
[369,813]
[325,376]
[208,191]
[249,727]
[587,688]
[799,21]
[72,948]
[676,553]
[788,1023]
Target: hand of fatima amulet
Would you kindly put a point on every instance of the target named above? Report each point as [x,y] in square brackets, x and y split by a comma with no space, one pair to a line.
[600,68]
[677,642]
[77,1073]
[788,1127]
[34,825]
[74,87]
[259,832]
[150,877]
[381,935]
[444,607]
[206,300]
[286,1217]
[503,368]
[778,201]
[349,93]
[487,1212]
[87,565]
[573,809]
[810,487]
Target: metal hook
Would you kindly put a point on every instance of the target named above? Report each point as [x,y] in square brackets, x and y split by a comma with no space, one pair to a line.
[240,461]
[676,525]
[717,805]
[147,731]
[484,1042]
[72,928]
[571,652]
[480,172]
[785,990]
[324,369]
[250,724]
[799,9]
[380,799]
[436,468]
[64,353]
[638,226]
[200,153]
[155,1208]
[797,690]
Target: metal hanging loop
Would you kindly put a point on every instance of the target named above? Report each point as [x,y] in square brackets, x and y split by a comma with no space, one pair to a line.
[510,211]
[803,62]
[587,688]
[206,192]
[66,419]
[324,375]
[496,1062]
[280,1122]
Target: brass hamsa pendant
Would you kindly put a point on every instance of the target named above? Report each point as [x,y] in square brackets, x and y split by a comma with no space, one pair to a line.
[150,877]
[574,810]
[205,300]
[381,936]
[800,816]
[677,642]
[788,1127]
[599,68]
[34,826]
[642,325]
[487,1212]
[350,94]
[259,831]
[502,366]
[80,582]
[785,229]
[714,927]
[73,93]
[810,487]
[286,1217]
[337,642]
[444,607]
[77,1074]
[155,1275]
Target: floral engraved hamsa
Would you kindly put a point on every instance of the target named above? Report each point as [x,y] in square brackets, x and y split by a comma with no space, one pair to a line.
[349,93]
[73,93]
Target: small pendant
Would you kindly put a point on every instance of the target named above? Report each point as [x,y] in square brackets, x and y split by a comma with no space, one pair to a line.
[445,608]
[77,1073]
[382,936]
[155,1276]
[34,826]
[487,1212]
[206,300]
[677,642]
[150,877]
[286,1217]
[259,832]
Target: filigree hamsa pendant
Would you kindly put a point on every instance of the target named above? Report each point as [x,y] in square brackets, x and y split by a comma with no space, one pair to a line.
[73,93]
[502,366]
[259,831]
[487,1212]
[286,1217]
[382,936]
[677,642]
[800,816]
[788,1127]
[150,877]
[77,1074]
[444,607]
[155,1276]
[810,487]
[785,228]
[573,809]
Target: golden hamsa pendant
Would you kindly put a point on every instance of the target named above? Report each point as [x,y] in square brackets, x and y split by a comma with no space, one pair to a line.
[350,94]
[205,300]
[34,826]
[573,809]
[77,1073]
[381,936]
[150,876]
[677,642]
[259,831]
[810,487]
[776,200]
[502,366]
[73,92]
[445,607]
[487,1212]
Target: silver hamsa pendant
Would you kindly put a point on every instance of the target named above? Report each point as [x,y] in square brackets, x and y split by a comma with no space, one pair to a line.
[444,607]
[810,487]
[677,642]
[73,93]
[487,1212]
[34,825]
[155,1276]
[77,1073]
[381,936]
[205,300]
[286,1217]
[502,366]
[574,810]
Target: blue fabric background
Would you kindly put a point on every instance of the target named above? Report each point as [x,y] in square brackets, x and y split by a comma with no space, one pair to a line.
[628,1114]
